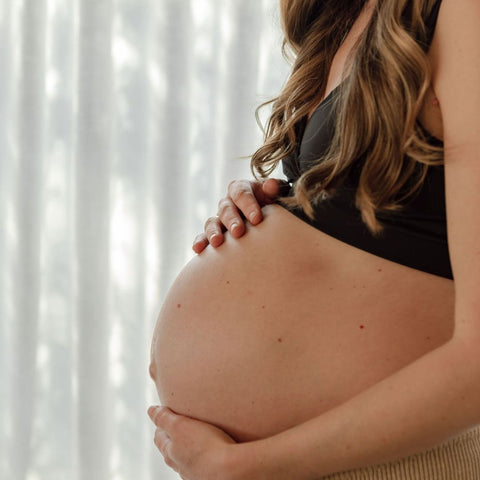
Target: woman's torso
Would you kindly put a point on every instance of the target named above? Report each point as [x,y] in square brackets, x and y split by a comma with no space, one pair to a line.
[286,322]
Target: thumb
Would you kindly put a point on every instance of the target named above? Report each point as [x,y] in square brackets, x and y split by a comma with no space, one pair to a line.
[273,187]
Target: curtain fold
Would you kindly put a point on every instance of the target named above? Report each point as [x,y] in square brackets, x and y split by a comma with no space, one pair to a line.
[93,169]
[27,204]
[121,124]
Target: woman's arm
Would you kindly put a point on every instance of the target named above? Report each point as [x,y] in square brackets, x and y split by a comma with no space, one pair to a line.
[411,411]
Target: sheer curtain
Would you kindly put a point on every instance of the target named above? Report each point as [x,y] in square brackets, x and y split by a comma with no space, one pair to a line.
[121,123]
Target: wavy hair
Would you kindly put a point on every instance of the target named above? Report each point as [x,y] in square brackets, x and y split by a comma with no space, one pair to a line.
[383,94]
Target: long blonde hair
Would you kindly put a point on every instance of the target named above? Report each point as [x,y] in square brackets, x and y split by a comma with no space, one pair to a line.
[383,93]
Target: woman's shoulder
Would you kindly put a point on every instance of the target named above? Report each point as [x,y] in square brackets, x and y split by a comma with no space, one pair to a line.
[454,54]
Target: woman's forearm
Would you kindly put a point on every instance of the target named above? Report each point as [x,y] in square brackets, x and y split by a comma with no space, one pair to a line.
[418,407]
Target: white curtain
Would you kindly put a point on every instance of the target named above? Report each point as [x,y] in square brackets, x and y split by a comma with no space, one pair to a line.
[121,123]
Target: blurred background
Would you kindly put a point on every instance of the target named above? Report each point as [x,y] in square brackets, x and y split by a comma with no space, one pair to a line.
[121,124]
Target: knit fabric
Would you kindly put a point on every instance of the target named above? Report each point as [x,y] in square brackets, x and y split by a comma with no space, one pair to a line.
[456,459]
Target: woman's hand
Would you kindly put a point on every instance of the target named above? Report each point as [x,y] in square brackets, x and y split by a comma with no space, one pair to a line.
[194,449]
[244,200]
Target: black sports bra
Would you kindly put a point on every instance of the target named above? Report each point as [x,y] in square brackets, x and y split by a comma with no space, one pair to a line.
[415,236]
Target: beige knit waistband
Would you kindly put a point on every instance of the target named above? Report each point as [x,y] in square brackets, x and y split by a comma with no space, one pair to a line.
[456,459]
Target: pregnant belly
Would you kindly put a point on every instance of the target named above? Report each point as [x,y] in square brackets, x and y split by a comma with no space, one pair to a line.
[282,324]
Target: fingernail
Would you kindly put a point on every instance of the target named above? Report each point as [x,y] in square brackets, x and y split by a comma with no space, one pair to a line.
[234,227]
[213,237]
[253,216]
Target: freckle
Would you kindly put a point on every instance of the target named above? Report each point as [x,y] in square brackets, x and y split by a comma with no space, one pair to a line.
[253,403]
[264,307]
[428,338]
[172,394]
[179,305]
[279,340]
[362,327]
[228,282]
[379,270]
[249,292]
[331,288]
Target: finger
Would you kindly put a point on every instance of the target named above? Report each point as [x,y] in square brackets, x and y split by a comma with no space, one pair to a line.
[213,231]
[200,243]
[242,195]
[162,441]
[272,188]
[230,217]
[153,412]
[162,417]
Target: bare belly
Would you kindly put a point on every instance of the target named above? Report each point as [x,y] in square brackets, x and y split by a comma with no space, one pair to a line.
[286,322]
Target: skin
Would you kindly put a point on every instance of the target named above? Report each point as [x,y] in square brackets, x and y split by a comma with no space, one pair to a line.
[327,320]
[431,399]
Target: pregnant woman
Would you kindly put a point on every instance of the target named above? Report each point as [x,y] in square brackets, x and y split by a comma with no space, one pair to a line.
[330,327]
